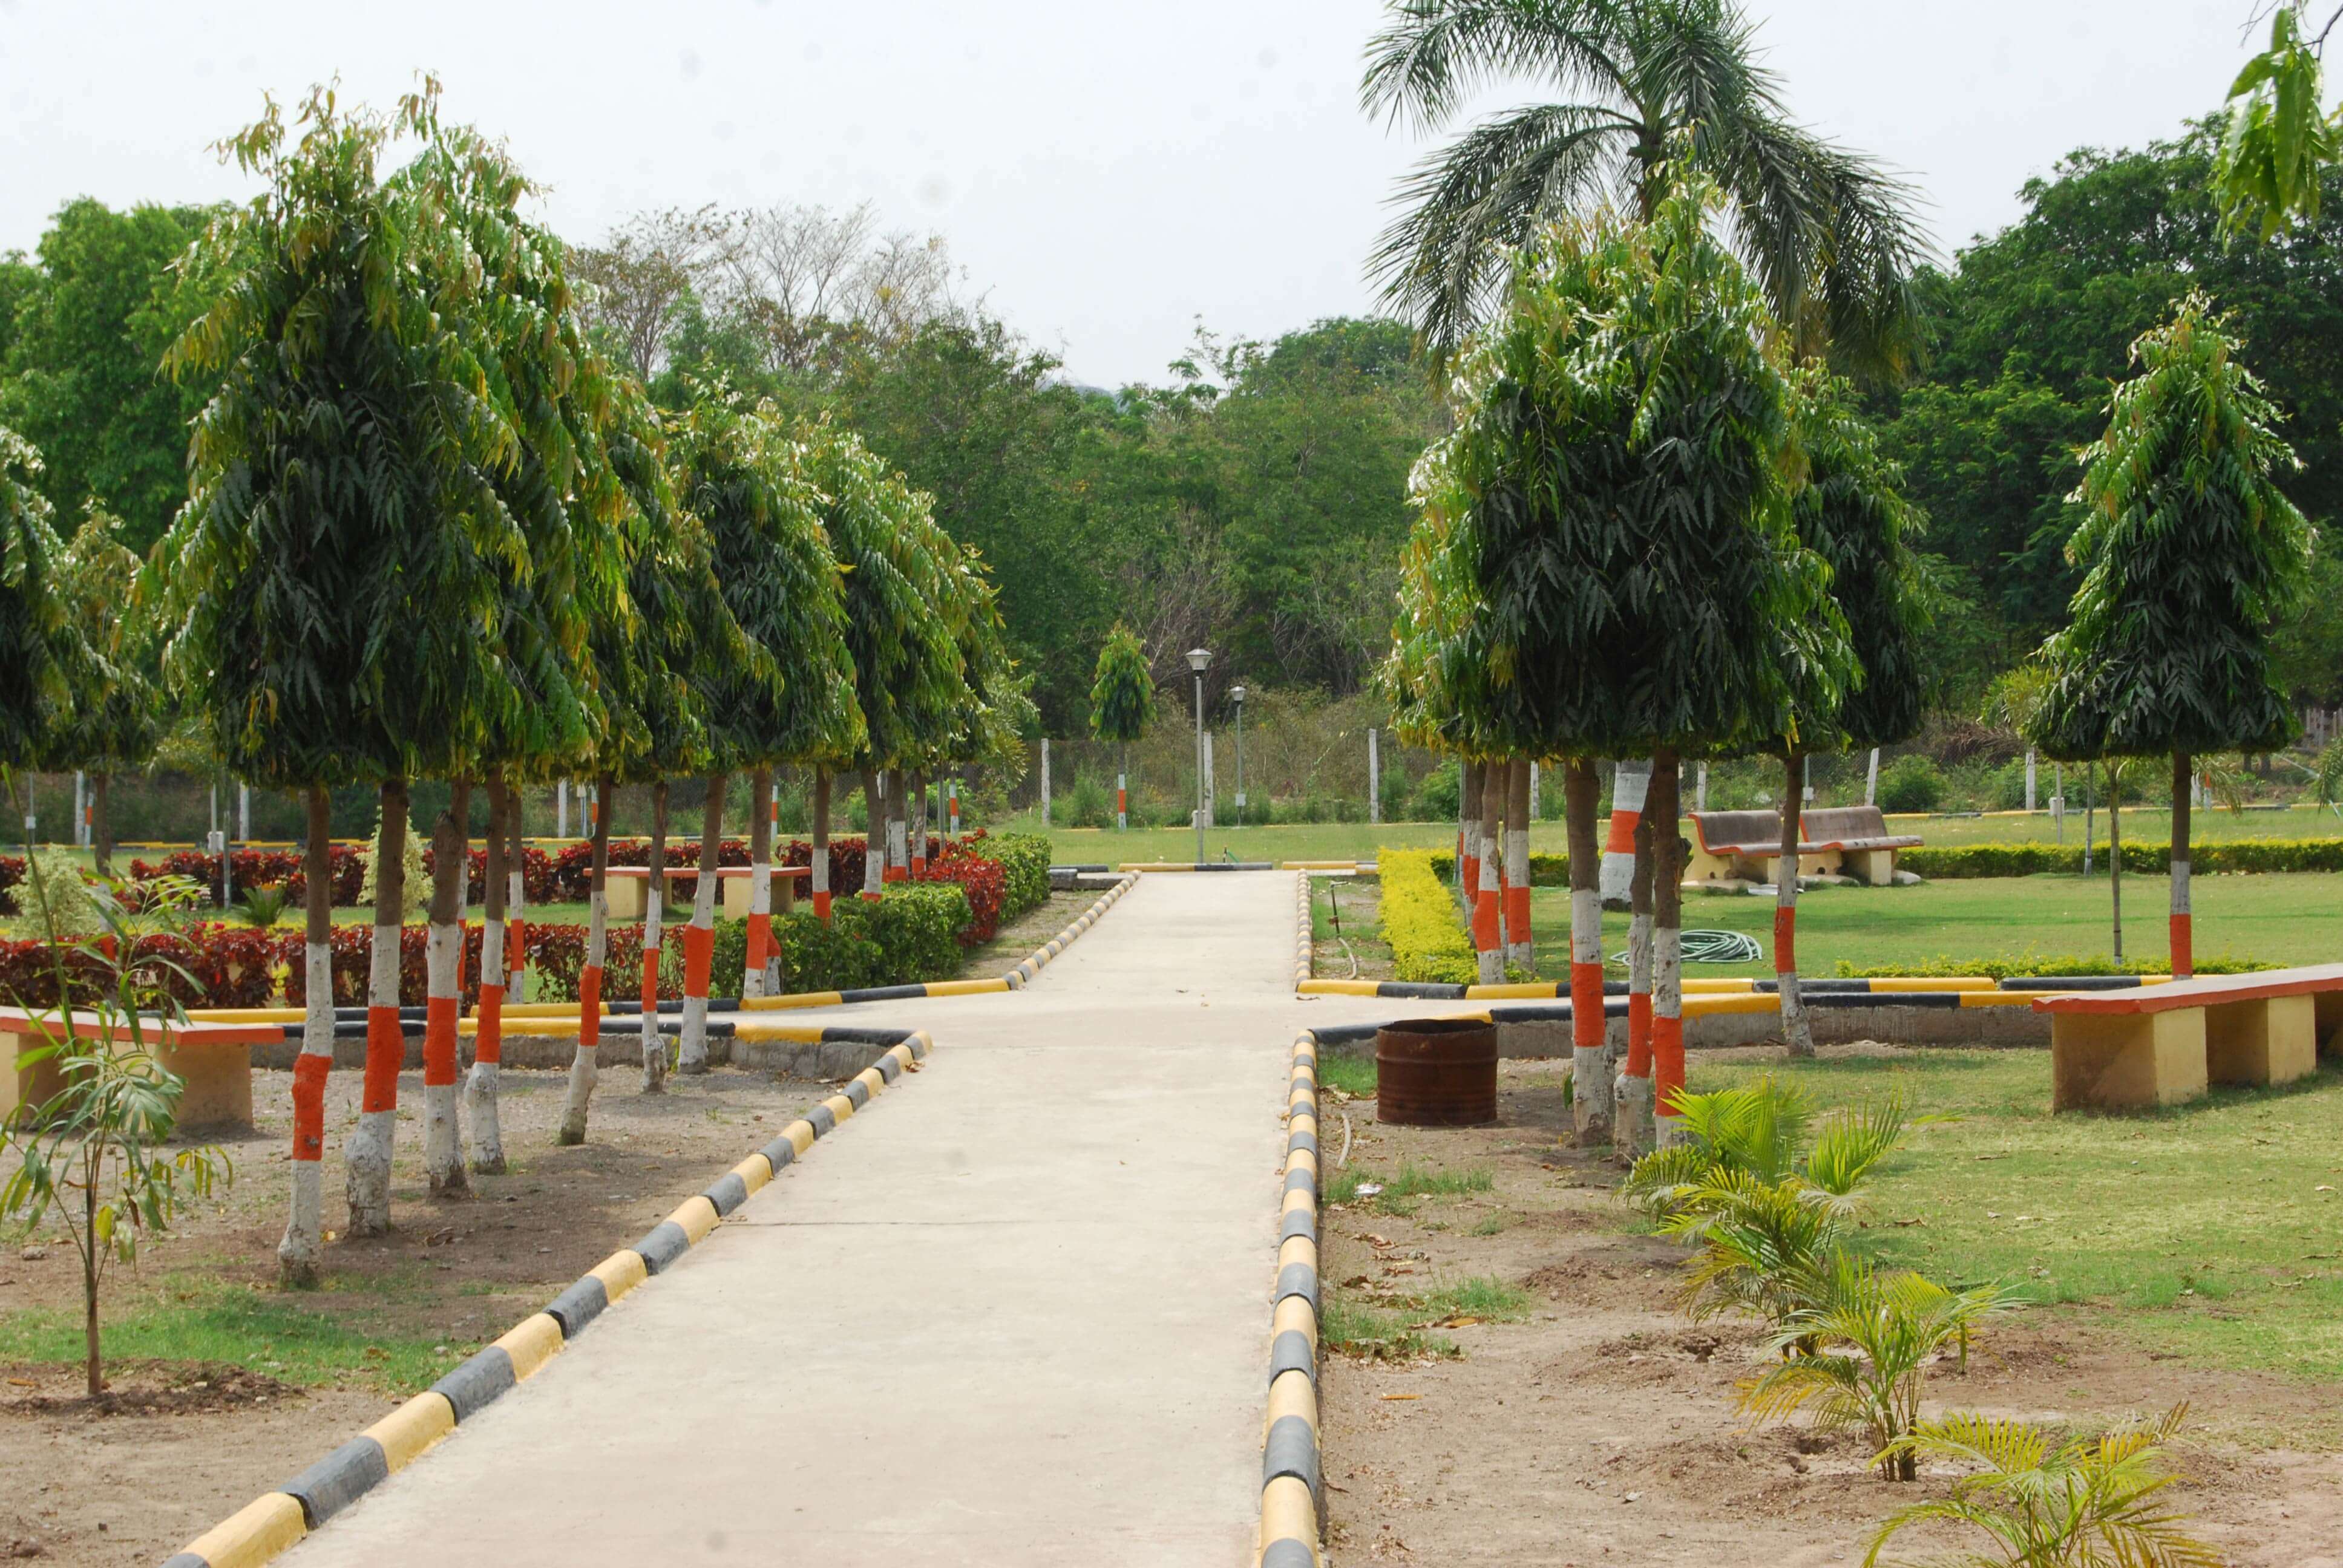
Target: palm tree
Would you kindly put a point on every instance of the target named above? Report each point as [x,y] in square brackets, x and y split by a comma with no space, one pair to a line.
[1825,230]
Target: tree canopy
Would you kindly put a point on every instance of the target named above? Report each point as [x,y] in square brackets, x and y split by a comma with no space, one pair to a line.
[1122,692]
[32,684]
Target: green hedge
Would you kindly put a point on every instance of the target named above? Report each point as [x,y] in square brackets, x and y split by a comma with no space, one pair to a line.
[910,935]
[1545,871]
[1025,859]
[1954,861]
[2042,964]
[1419,919]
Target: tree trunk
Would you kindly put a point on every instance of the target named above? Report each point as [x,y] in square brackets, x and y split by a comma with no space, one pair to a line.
[760,883]
[820,855]
[487,1042]
[1468,834]
[101,824]
[654,935]
[898,861]
[874,837]
[1667,949]
[296,1254]
[1631,1093]
[367,1175]
[1488,921]
[2184,947]
[2114,851]
[1591,1101]
[1519,949]
[1797,1032]
[579,1097]
[700,936]
[919,822]
[451,856]
[94,1360]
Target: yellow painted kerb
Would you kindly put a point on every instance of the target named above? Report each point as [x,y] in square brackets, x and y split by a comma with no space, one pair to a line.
[620,1273]
[533,1341]
[254,1533]
[413,1427]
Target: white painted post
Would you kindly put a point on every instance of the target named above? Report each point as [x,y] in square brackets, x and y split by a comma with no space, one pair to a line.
[1871,781]
[1212,789]
[81,813]
[1045,780]
[1699,788]
[2029,779]
[244,813]
[561,807]
[1375,779]
[1806,781]
[1533,792]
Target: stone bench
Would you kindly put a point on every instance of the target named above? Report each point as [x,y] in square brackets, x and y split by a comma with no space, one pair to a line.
[214,1060]
[2161,1045]
[624,886]
[1747,846]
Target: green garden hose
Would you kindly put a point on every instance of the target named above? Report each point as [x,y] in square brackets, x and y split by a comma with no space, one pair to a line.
[1713,948]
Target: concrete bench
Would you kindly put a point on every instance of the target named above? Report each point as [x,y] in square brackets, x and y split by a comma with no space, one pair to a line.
[625,886]
[2161,1045]
[213,1060]
[1747,846]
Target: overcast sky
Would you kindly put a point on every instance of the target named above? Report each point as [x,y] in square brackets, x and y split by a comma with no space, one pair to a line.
[1105,173]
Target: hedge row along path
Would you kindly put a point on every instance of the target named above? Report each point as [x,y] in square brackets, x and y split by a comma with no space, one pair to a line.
[1021,1318]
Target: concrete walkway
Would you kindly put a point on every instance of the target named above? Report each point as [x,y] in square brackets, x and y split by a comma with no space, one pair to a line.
[1016,1315]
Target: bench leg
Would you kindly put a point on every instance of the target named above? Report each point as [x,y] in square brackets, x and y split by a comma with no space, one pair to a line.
[625,897]
[218,1093]
[2271,1040]
[737,891]
[1873,868]
[2328,1013]
[2125,1061]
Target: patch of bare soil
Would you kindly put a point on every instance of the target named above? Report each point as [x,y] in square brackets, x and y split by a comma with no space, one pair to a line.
[173,1446]
[1015,941]
[1600,1429]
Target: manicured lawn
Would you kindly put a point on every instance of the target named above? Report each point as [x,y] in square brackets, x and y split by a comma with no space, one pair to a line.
[2215,1228]
[2286,917]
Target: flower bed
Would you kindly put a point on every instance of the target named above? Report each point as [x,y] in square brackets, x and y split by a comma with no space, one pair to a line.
[1420,922]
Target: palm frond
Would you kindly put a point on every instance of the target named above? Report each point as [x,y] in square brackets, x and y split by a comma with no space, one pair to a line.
[1435,54]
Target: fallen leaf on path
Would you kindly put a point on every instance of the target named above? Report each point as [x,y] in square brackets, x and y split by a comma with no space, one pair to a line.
[1402,1396]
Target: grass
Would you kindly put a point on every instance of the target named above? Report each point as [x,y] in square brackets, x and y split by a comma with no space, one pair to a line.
[1352,1075]
[197,1319]
[2212,1231]
[2287,917]
[1404,1192]
[1397,1327]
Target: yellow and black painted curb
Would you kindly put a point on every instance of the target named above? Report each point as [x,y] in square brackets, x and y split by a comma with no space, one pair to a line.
[1922,991]
[276,1520]
[1034,963]
[1305,947]
[1292,1494]
[1136,866]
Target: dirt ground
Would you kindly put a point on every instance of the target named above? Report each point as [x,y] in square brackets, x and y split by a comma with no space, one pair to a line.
[181,1441]
[1016,940]
[1599,1428]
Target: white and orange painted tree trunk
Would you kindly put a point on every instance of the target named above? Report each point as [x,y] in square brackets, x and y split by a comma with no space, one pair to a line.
[367,1164]
[298,1254]
[1593,1098]
[1667,950]
[480,1084]
[654,922]
[583,1071]
[700,936]
[1488,904]
[443,994]
[762,813]
[1798,1034]
[2184,937]
[1519,949]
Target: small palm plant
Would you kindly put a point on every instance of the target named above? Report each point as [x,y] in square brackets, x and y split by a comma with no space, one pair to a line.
[1866,1345]
[1764,1190]
[262,908]
[2093,1503]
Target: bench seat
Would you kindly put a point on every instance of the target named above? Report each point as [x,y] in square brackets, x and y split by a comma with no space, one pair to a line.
[2164,1044]
[214,1060]
[1747,846]
[625,886]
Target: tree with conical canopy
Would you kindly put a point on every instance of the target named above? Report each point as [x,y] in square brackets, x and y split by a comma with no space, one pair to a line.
[2190,554]
[34,625]
[1617,494]
[117,716]
[1851,511]
[909,671]
[658,667]
[1648,86]
[358,507]
[739,470]
[1122,705]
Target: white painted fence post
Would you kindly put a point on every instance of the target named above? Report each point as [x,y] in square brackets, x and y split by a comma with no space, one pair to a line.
[244,813]
[1871,781]
[1212,789]
[1374,779]
[2029,779]
[1533,792]
[1045,780]
[1699,788]
[561,807]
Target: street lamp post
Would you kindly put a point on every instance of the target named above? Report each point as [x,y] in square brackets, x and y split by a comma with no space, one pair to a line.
[1236,694]
[1198,659]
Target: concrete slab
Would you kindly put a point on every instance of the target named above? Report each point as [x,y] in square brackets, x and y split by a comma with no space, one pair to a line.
[1016,1315]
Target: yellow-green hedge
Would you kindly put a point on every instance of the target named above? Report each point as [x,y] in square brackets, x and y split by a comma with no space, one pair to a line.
[1420,922]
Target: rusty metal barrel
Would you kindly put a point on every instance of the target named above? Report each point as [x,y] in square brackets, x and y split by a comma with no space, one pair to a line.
[1436,1072]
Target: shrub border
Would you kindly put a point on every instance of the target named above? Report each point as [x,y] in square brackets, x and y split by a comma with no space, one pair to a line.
[278,1520]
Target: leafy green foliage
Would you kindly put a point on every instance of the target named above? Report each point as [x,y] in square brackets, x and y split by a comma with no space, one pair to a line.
[1606,561]
[33,624]
[1024,860]
[1858,1354]
[1419,919]
[1122,696]
[1825,229]
[2091,1502]
[2191,551]
[1911,783]
[2280,144]
[911,934]
[118,711]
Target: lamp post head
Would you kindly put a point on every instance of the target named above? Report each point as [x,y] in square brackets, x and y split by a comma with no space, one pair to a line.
[1198,658]
[1236,694]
